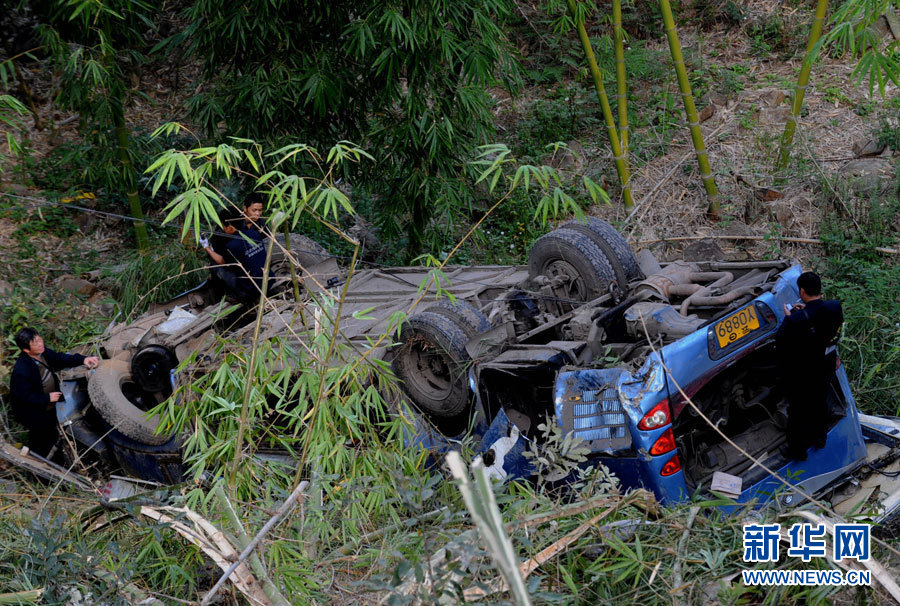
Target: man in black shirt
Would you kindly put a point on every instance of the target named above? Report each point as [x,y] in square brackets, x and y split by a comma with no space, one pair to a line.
[34,388]
[247,249]
[805,371]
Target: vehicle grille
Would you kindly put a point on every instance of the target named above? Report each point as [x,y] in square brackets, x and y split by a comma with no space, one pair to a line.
[600,416]
[588,407]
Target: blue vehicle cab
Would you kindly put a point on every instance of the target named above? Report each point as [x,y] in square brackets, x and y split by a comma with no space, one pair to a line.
[664,443]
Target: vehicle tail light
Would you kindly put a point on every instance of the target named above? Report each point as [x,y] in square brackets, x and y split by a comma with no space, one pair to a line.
[673,465]
[665,443]
[657,417]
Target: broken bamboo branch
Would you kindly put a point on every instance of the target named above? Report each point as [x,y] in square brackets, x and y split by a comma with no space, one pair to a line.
[242,541]
[219,551]
[273,521]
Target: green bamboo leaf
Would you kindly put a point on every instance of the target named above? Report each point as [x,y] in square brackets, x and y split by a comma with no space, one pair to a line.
[178,204]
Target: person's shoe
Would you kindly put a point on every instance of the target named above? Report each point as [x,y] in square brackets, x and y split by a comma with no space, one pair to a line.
[794,455]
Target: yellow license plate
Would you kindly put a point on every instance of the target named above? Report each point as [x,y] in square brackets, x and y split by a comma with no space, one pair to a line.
[736,326]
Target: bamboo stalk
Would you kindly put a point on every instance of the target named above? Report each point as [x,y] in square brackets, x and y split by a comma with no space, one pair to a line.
[621,89]
[684,85]
[134,202]
[245,405]
[620,160]
[790,127]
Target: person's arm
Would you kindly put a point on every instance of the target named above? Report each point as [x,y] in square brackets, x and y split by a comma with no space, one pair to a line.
[216,257]
[58,360]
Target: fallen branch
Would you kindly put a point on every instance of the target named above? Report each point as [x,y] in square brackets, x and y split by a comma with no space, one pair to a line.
[29,461]
[640,498]
[219,551]
[242,540]
[273,521]
[881,249]
[22,597]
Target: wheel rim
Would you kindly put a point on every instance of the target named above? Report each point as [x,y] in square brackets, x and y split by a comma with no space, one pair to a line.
[137,396]
[573,287]
[431,371]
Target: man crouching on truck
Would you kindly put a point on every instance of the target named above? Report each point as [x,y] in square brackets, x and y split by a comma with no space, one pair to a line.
[245,251]
[808,329]
[34,388]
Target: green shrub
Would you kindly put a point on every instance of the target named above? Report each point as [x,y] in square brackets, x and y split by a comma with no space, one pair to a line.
[866,280]
[157,276]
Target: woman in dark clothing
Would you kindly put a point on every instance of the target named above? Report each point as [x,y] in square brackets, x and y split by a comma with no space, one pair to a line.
[34,388]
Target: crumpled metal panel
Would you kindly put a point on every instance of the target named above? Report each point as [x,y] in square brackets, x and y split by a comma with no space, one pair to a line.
[649,379]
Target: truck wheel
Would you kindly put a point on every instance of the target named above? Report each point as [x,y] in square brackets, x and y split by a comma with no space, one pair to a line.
[613,245]
[574,257]
[123,404]
[150,368]
[432,364]
[466,315]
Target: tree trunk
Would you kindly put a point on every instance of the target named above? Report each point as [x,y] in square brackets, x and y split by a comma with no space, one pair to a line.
[124,143]
[787,138]
[709,182]
[620,160]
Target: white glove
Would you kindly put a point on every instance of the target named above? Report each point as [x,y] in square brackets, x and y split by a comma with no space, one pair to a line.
[204,241]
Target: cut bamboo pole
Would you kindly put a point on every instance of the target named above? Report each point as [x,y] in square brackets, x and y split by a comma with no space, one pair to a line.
[790,127]
[620,160]
[621,89]
[684,85]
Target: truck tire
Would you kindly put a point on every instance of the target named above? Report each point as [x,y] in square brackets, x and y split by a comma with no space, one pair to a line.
[432,364]
[466,315]
[575,256]
[108,387]
[612,244]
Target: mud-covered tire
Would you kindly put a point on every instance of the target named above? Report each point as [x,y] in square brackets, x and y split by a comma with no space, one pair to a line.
[612,244]
[574,255]
[105,388]
[432,364]
[472,321]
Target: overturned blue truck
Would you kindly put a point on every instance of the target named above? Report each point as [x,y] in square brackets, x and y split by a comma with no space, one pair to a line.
[665,371]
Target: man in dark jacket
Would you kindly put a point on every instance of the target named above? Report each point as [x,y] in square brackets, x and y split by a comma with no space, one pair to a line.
[805,370]
[34,388]
[244,251]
